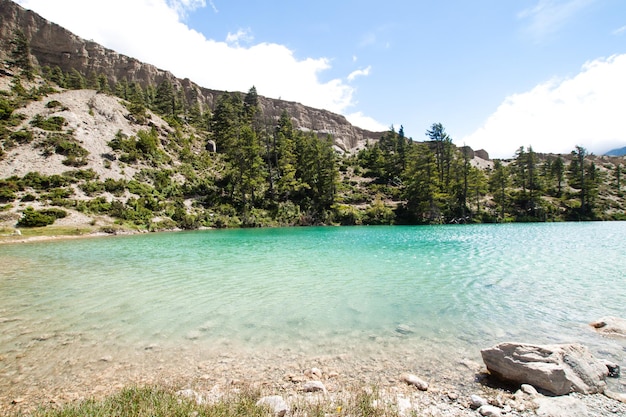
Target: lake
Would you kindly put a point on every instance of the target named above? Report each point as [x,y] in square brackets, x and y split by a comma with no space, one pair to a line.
[355,299]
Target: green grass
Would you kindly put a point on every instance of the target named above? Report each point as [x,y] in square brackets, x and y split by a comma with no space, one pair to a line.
[154,401]
[7,234]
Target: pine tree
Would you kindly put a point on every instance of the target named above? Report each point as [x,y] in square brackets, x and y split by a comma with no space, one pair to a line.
[20,54]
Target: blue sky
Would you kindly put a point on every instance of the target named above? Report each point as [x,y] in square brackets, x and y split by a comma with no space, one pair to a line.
[498,74]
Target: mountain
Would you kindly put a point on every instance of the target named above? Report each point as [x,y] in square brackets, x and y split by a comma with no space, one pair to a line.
[53,46]
[617,152]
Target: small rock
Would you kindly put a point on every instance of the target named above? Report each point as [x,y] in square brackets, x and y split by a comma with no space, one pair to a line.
[490,411]
[529,389]
[17,400]
[316,372]
[314,386]
[107,358]
[453,396]
[476,401]
[404,329]
[276,403]
[418,383]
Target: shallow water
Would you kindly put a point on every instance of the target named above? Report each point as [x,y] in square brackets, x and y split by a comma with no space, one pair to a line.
[427,293]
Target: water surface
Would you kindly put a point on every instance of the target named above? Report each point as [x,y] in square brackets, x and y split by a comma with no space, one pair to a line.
[438,293]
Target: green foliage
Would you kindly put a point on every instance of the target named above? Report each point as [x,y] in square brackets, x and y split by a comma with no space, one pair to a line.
[64,144]
[20,54]
[53,123]
[22,136]
[144,146]
[42,182]
[6,109]
[55,104]
[32,218]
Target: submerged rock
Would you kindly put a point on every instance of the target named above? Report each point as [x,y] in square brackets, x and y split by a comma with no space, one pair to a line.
[558,369]
[610,326]
[404,329]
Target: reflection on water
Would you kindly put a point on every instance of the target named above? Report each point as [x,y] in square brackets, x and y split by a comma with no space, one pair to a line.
[425,293]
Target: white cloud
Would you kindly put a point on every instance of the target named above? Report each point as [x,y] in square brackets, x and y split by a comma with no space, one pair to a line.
[244,35]
[359,73]
[365,122]
[555,116]
[153,32]
[549,16]
[184,6]
[619,31]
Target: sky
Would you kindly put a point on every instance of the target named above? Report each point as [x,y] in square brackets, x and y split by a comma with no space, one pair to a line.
[497,74]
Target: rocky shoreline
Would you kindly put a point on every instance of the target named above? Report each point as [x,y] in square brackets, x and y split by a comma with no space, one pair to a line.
[285,380]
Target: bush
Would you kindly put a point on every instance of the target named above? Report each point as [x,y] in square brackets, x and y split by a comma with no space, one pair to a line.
[22,136]
[43,182]
[54,212]
[33,218]
[7,195]
[6,109]
[54,123]
[53,104]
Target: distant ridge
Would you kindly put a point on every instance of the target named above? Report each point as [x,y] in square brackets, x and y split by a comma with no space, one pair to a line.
[617,152]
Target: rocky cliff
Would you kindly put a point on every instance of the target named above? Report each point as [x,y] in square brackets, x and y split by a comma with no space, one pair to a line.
[52,45]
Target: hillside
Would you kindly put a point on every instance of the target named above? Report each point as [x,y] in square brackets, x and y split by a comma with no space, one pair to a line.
[55,47]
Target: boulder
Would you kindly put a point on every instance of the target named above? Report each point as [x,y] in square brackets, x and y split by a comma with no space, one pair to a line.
[558,369]
[610,326]
[276,403]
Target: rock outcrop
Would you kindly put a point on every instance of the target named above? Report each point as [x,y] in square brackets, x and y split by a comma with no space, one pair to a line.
[53,46]
[558,369]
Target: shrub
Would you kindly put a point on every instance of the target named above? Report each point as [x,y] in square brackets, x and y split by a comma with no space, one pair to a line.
[33,218]
[54,123]
[53,104]
[43,182]
[81,174]
[115,187]
[6,109]
[22,136]
[54,212]
[65,144]
[7,195]
[92,187]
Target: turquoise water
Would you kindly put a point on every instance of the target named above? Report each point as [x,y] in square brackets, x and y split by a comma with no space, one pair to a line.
[444,289]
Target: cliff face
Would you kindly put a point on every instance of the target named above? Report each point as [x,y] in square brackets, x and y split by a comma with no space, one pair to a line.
[51,45]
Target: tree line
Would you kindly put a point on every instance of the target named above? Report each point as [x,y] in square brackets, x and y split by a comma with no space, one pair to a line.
[264,171]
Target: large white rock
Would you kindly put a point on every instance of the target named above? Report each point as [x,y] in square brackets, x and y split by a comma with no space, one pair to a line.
[558,369]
